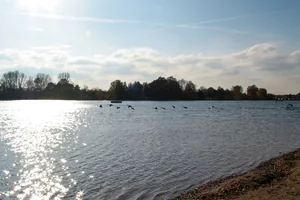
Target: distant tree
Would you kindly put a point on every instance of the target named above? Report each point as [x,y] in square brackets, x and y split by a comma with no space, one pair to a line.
[200,94]
[220,93]
[262,93]
[190,91]
[22,80]
[29,84]
[173,88]
[16,85]
[145,90]
[271,96]
[85,87]
[65,76]
[158,89]
[228,94]
[50,86]
[41,81]
[117,90]
[12,84]
[96,94]
[13,80]
[51,91]
[190,86]
[237,92]
[182,83]
[135,90]
[204,92]
[252,92]
[211,93]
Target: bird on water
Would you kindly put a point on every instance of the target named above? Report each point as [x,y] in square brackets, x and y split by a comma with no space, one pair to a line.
[100,106]
[173,106]
[184,107]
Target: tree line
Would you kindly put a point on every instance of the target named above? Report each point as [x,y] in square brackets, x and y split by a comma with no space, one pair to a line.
[16,85]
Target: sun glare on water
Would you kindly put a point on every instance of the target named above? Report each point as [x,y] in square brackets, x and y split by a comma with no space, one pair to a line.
[39,5]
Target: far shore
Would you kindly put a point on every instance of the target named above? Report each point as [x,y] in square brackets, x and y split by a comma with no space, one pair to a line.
[275,179]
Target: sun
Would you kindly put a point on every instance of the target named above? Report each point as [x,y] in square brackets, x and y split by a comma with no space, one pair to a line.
[39,5]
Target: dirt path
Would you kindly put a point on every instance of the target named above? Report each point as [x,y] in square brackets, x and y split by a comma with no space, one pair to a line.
[277,178]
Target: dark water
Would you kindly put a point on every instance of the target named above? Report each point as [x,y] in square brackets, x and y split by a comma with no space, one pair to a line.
[76,150]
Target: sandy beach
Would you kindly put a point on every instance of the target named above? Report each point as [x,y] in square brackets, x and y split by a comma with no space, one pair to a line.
[277,178]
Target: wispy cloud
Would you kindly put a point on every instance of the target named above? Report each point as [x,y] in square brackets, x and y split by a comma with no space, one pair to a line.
[214,28]
[204,25]
[76,18]
[237,17]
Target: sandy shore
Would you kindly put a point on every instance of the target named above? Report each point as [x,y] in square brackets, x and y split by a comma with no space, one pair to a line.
[277,178]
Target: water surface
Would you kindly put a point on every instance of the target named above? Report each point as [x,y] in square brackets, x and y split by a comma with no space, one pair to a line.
[76,150]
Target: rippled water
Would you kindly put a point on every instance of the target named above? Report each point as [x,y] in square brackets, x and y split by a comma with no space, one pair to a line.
[76,150]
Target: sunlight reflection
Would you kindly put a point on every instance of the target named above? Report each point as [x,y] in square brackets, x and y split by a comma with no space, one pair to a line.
[79,195]
[35,130]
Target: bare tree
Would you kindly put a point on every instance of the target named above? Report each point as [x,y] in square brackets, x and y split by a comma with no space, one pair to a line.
[13,80]
[182,84]
[65,76]
[41,81]
[22,80]
[30,83]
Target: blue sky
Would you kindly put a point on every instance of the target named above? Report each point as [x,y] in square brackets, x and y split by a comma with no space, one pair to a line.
[211,42]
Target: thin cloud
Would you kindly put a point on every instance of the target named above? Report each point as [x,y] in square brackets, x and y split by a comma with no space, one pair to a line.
[78,19]
[215,28]
[237,17]
[199,25]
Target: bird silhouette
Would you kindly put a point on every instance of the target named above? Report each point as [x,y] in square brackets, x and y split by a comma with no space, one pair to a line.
[173,106]
[184,107]
[110,105]
[100,106]
[118,107]
[129,106]
[132,108]
[163,108]
[155,108]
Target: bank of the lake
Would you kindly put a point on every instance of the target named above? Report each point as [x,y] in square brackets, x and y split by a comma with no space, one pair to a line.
[277,178]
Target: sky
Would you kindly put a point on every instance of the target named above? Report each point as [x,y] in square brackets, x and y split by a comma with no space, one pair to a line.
[211,42]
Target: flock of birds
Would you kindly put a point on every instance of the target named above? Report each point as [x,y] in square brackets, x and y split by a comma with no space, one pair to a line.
[289,107]
[130,107]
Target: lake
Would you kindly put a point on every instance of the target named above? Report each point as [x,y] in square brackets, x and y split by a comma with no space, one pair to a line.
[77,150]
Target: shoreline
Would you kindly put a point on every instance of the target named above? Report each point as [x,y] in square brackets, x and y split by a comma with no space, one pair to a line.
[276,178]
